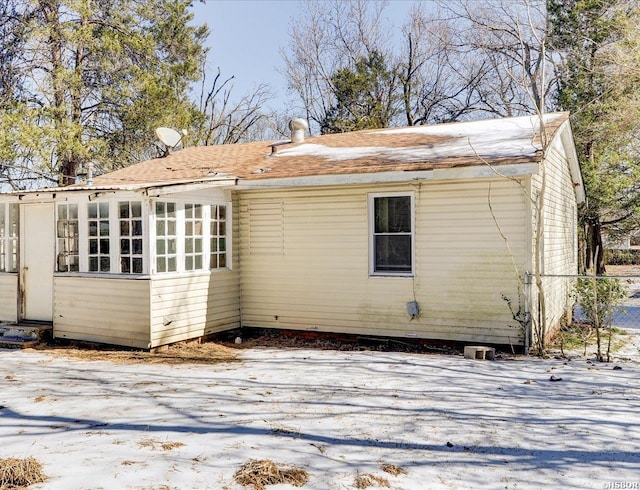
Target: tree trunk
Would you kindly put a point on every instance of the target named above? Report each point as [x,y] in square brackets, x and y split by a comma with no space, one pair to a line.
[595,250]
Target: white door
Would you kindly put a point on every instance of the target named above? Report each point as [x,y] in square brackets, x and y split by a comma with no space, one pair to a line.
[37,261]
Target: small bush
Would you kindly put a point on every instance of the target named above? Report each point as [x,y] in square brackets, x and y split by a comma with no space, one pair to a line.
[600,298]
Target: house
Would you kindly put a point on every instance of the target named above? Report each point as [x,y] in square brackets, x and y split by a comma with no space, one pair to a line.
[418,232]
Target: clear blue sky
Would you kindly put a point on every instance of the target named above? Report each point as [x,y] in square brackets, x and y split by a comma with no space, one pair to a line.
[246,37]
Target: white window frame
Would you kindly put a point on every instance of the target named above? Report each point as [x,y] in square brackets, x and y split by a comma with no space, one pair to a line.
[10,242]
[372,249]
[99,237]
[130,237]
[180,235]
[67,205]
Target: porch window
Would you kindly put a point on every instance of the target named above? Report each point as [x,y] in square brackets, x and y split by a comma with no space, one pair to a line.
[9,226]
[131,250]
[99,237]
[392,234]
[193,237]
[166,237]
[218,237]
[68,257]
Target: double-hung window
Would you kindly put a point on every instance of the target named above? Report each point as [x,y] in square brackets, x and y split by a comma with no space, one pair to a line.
[391,222]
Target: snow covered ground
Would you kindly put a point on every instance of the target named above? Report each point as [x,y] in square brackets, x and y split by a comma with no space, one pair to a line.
[450,423]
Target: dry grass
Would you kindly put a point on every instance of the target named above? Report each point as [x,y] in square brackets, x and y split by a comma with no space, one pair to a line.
[182,352]
[261,472]
[154,444]
[366,480]
[19,473]
[393,469]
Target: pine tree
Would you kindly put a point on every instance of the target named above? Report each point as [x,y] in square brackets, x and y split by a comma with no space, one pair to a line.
[95,78]
[364,96]
[600,85]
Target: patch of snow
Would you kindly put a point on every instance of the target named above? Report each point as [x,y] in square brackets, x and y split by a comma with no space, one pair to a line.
[494,138]
[448,421]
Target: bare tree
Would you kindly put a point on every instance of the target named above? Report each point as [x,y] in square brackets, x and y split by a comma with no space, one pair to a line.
[510,38]
[228,120]
[328,36]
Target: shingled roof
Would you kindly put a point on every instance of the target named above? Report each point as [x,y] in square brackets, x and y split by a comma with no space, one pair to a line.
[495,141]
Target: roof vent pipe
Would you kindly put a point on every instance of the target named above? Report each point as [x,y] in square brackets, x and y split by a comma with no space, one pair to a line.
[298,126]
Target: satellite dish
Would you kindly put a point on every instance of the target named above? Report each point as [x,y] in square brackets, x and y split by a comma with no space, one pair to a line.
[169,137]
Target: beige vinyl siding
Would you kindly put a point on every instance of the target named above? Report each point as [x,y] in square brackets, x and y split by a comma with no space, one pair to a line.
[192,306]
[106,310]
[559,234]
[201,303]
[8,297]
[320,281]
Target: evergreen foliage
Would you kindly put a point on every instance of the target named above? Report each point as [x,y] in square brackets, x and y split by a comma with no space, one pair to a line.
[89,81]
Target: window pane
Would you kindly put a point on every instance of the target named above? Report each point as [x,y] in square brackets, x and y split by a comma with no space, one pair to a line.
[74,263]
[104,228]
[104,246]
[137,265]
[188,262]
[188,245]
[93,228]
[171,264]
[62,263]
[197,245]
[136,209]
[160,247]
[161,264]
[160,209]
[104,264]
[393,253]
[222,260]
[160,228]
[214,245]
[198,261]
[222,210]
[223,229]
[393,214]
[136,245]
[136,228]
[171,246]
[188,228]
[124,210]
[124,265]
[104,209]
[171,209]
[222,243]
[73,211]
[171,228]
[125,246]
[62,211]
[124,228]
[93,211]
[93,264]
[93,246]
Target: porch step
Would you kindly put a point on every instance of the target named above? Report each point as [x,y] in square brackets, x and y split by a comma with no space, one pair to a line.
[24,334]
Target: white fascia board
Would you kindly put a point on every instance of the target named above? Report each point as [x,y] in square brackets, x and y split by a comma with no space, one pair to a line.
[165,190]
[484,171]
[566,136]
